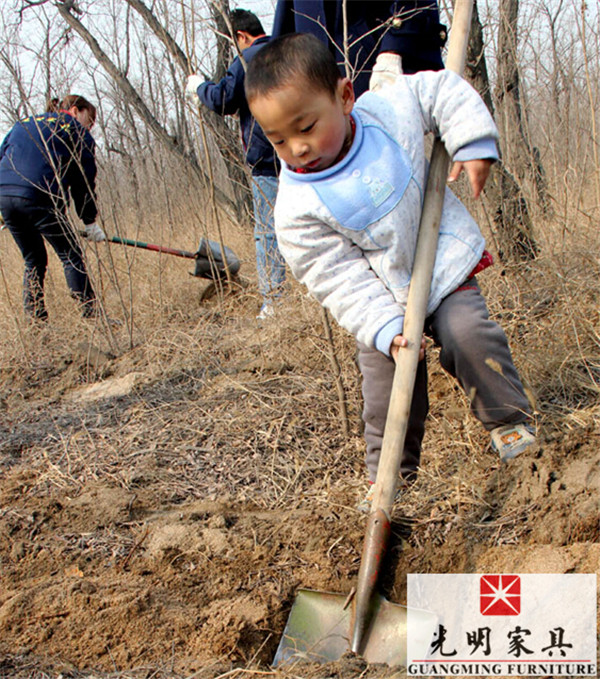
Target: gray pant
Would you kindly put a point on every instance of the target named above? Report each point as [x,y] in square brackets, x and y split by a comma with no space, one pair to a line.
[474,349]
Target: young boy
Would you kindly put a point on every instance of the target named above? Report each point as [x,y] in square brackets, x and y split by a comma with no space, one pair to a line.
[347,218]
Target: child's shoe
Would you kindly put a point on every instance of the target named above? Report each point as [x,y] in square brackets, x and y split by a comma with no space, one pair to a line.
[511,440]
[266,311]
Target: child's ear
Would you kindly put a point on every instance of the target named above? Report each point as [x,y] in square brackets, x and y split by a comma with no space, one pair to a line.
[346,93]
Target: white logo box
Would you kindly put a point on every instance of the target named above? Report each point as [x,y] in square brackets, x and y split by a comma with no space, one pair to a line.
[503,625]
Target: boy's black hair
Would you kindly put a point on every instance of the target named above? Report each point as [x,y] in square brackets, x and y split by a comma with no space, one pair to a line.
[243,20]
[291,58]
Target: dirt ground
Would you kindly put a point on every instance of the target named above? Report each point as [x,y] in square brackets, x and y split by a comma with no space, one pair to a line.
[160,506]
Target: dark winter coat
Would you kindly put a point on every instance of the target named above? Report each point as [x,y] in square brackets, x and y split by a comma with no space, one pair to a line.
[48,158]
[415,33]
[227,97]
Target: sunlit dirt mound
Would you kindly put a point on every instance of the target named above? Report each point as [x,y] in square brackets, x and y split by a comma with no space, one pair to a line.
[161,506]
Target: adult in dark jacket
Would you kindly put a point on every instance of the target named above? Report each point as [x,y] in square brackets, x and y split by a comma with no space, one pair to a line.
[384,39]
[227,97]
[45,161]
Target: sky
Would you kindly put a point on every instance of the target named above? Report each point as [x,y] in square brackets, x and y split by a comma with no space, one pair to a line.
[264,9]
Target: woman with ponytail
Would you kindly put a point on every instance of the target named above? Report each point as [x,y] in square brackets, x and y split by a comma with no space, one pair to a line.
[46,161]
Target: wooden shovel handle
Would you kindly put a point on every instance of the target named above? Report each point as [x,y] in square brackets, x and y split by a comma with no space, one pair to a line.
[416,306]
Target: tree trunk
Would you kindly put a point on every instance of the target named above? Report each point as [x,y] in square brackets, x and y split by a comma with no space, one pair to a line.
[519,154]
[510,211]
[131,95]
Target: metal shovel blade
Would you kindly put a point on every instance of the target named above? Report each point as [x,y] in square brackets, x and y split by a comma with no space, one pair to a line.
[319,629]
[213,259]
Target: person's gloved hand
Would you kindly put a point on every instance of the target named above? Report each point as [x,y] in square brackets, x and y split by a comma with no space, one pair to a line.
[94,233]
[388,66]
[193,83]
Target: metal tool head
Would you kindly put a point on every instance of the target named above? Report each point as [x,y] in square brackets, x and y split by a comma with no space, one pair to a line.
[213,260]
[320,624]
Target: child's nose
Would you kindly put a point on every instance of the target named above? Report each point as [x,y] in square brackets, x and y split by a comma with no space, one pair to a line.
[299,148]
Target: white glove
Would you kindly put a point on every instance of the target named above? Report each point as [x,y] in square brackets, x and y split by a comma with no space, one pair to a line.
[94,233]
[388,66]
[193,83]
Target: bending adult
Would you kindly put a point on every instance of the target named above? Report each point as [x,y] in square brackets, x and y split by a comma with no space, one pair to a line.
[45,161]
[384,39]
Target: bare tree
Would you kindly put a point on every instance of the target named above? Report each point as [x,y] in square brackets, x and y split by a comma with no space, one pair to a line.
[225,138]
[509,207]
[521,155]
[214,135]
[68,10]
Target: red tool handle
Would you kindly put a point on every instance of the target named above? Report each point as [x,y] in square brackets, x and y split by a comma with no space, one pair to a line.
[151,246]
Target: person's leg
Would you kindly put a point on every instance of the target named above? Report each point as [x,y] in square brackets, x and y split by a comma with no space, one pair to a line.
[19,217]
[377,372]
[474,349]
[56,230]
[270,265]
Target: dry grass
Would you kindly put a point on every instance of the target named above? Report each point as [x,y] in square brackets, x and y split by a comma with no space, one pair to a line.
[209,406]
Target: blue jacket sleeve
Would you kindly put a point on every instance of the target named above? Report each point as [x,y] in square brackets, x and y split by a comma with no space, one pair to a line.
[226,96]
[82,174]
[415,31]
[4,145]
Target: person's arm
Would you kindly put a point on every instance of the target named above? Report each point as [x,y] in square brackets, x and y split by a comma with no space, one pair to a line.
[226,96]
[414,29]
[412,41]
[5,144]
[82,173]
[83,189]
[451,109]
[338,275]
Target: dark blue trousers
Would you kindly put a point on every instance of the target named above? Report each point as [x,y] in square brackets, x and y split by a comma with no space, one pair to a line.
[30,224]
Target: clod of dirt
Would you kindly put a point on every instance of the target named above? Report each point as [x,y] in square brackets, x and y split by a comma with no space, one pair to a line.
[109,388]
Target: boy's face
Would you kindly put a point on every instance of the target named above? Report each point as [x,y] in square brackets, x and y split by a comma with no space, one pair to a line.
[307,127]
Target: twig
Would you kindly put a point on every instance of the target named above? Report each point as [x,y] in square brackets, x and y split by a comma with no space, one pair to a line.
[337,373]
[133,549]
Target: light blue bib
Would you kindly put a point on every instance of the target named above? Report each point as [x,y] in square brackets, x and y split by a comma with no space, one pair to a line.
[368,183]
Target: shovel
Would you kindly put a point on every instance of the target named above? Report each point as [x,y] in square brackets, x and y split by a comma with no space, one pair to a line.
[322,626]
[212,259]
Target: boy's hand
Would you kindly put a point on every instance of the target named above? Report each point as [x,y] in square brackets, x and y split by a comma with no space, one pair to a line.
[477,171]
[401,341]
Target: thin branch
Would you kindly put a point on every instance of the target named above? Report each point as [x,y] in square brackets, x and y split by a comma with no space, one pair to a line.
[136,101]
